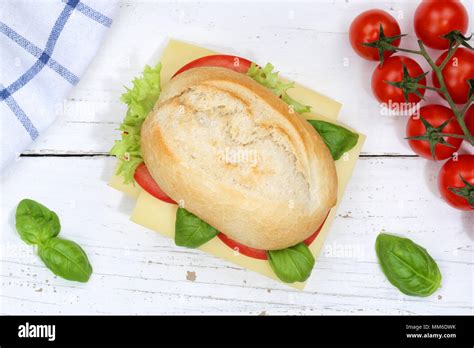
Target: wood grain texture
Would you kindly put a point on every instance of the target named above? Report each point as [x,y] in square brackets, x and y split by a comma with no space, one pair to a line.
[138,271]
[306,41]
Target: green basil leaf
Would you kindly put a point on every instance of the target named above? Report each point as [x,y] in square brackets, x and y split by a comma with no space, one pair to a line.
[407,265]
[35,223]
[292,264]
[338,139]
[191,231]
[66,259]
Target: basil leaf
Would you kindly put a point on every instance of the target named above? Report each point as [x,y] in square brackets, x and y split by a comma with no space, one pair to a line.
[292,264]
[338,139]
[35,223]
[407,265]
[191,231]
[66,259]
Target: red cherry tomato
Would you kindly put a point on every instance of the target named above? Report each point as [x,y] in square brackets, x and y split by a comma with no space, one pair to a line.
[433,19]
[365,28]
[434,115]
[235,63]
[143,177]
[392,71]
[456,73]
[450,177]
[469,119]
[259,253]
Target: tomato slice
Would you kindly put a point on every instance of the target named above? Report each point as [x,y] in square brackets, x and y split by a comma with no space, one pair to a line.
[238,64]
[311,238]
[259,253]
[243,249]
[143,177]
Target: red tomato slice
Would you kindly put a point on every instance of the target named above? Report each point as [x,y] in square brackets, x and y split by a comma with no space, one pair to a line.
[243,249]
[259,253]
[235,63]
[143,177]
[311,238]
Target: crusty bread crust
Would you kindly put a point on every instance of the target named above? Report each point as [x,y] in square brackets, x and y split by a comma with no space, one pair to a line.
[239,158]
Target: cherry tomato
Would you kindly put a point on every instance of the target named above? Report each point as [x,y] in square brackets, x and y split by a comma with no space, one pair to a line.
[235,63]
[435,115]
[143,177]
[450,178]
[456,73]
[469,119]
[433,19]
[392,71]
[365,28]
[259,253]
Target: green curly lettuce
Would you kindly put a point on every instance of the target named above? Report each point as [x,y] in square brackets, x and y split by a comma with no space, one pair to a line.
[269,79]
[140,100]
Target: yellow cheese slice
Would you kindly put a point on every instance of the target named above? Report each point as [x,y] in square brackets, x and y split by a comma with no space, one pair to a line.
[131,190]
[160,216]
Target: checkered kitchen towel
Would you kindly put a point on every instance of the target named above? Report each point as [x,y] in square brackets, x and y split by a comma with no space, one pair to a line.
[45,46]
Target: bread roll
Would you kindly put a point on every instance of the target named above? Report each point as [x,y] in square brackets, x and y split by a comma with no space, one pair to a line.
[239,158]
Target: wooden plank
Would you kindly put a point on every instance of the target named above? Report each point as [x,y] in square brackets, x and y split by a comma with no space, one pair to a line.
[306,41]
[138,271]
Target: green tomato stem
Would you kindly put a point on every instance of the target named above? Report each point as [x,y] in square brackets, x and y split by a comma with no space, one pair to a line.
[453,135]
[451,53]
[395,48]
[444,91]
[468,104]
[442,85]
[428,87]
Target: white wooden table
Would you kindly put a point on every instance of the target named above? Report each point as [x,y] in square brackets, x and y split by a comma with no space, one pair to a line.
[138,271]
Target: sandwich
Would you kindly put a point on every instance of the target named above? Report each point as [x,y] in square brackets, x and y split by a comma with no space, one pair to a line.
[225,142]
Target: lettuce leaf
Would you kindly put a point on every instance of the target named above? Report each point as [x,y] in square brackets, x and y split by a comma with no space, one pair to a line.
[269,79]
[140,100]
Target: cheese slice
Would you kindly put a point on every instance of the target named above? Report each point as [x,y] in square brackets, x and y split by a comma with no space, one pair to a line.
[131,190]
[161,216]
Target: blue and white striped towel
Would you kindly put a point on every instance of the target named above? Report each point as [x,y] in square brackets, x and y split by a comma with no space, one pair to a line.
[45,46]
